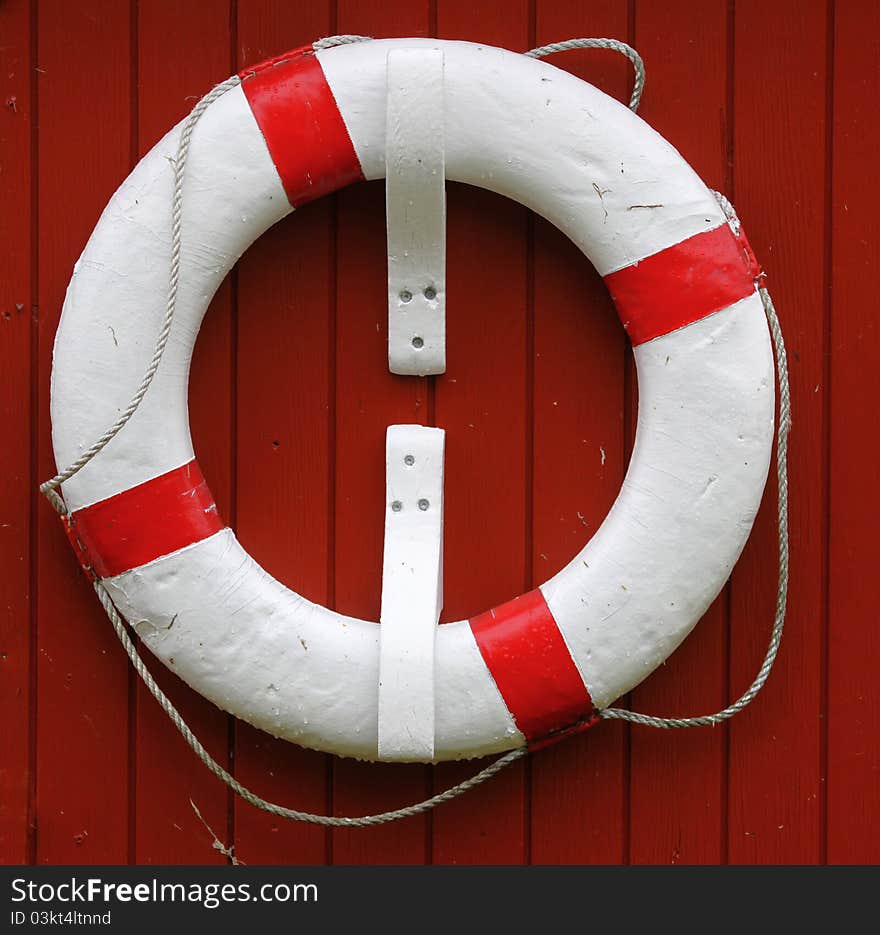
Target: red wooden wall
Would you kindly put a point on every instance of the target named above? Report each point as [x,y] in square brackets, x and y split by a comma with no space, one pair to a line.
[773,102]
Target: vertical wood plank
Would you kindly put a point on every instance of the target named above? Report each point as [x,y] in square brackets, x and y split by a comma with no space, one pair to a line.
[853,815]
[779,178]
[16,490]
[579,791]
[286,291]
[182,52]
[368,399]
[85,136]
[684,770]
[483,402]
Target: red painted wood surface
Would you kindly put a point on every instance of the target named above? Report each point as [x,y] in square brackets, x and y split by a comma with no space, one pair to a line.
[291,396]
[17,270]
[775,781]
[852,820]
[85,766]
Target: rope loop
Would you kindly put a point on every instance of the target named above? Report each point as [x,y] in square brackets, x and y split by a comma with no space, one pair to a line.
[615,45]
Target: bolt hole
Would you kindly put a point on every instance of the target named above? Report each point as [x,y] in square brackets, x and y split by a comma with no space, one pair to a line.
[417,342]
[405,296]
[409,460]
[423,505]
[430,293]
[397,506]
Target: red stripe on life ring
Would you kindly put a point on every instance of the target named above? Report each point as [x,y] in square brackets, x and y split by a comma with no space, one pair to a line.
[684,283]
[523,649]
[301,124]
[145,522]
[276,60]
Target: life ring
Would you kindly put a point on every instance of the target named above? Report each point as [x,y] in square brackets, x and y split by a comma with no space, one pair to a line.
[684,282]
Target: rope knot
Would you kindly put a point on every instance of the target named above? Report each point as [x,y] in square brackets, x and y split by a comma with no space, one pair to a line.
[80,549]
[755,270]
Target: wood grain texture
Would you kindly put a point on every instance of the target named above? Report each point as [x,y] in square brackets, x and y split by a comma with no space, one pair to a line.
[579,788]
[685,770]
[853,816]
[285,358]
[17,493]
[82,676]
[182,51]
[780,172]
[291,397]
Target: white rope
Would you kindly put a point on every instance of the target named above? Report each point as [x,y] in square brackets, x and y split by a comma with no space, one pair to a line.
[615,45]
[50,487]
[332,41]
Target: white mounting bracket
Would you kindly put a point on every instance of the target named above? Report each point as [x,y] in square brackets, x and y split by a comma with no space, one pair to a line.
[415,206]
[412,590]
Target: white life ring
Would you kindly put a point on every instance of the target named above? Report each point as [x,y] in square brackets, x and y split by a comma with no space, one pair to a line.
[684,282]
